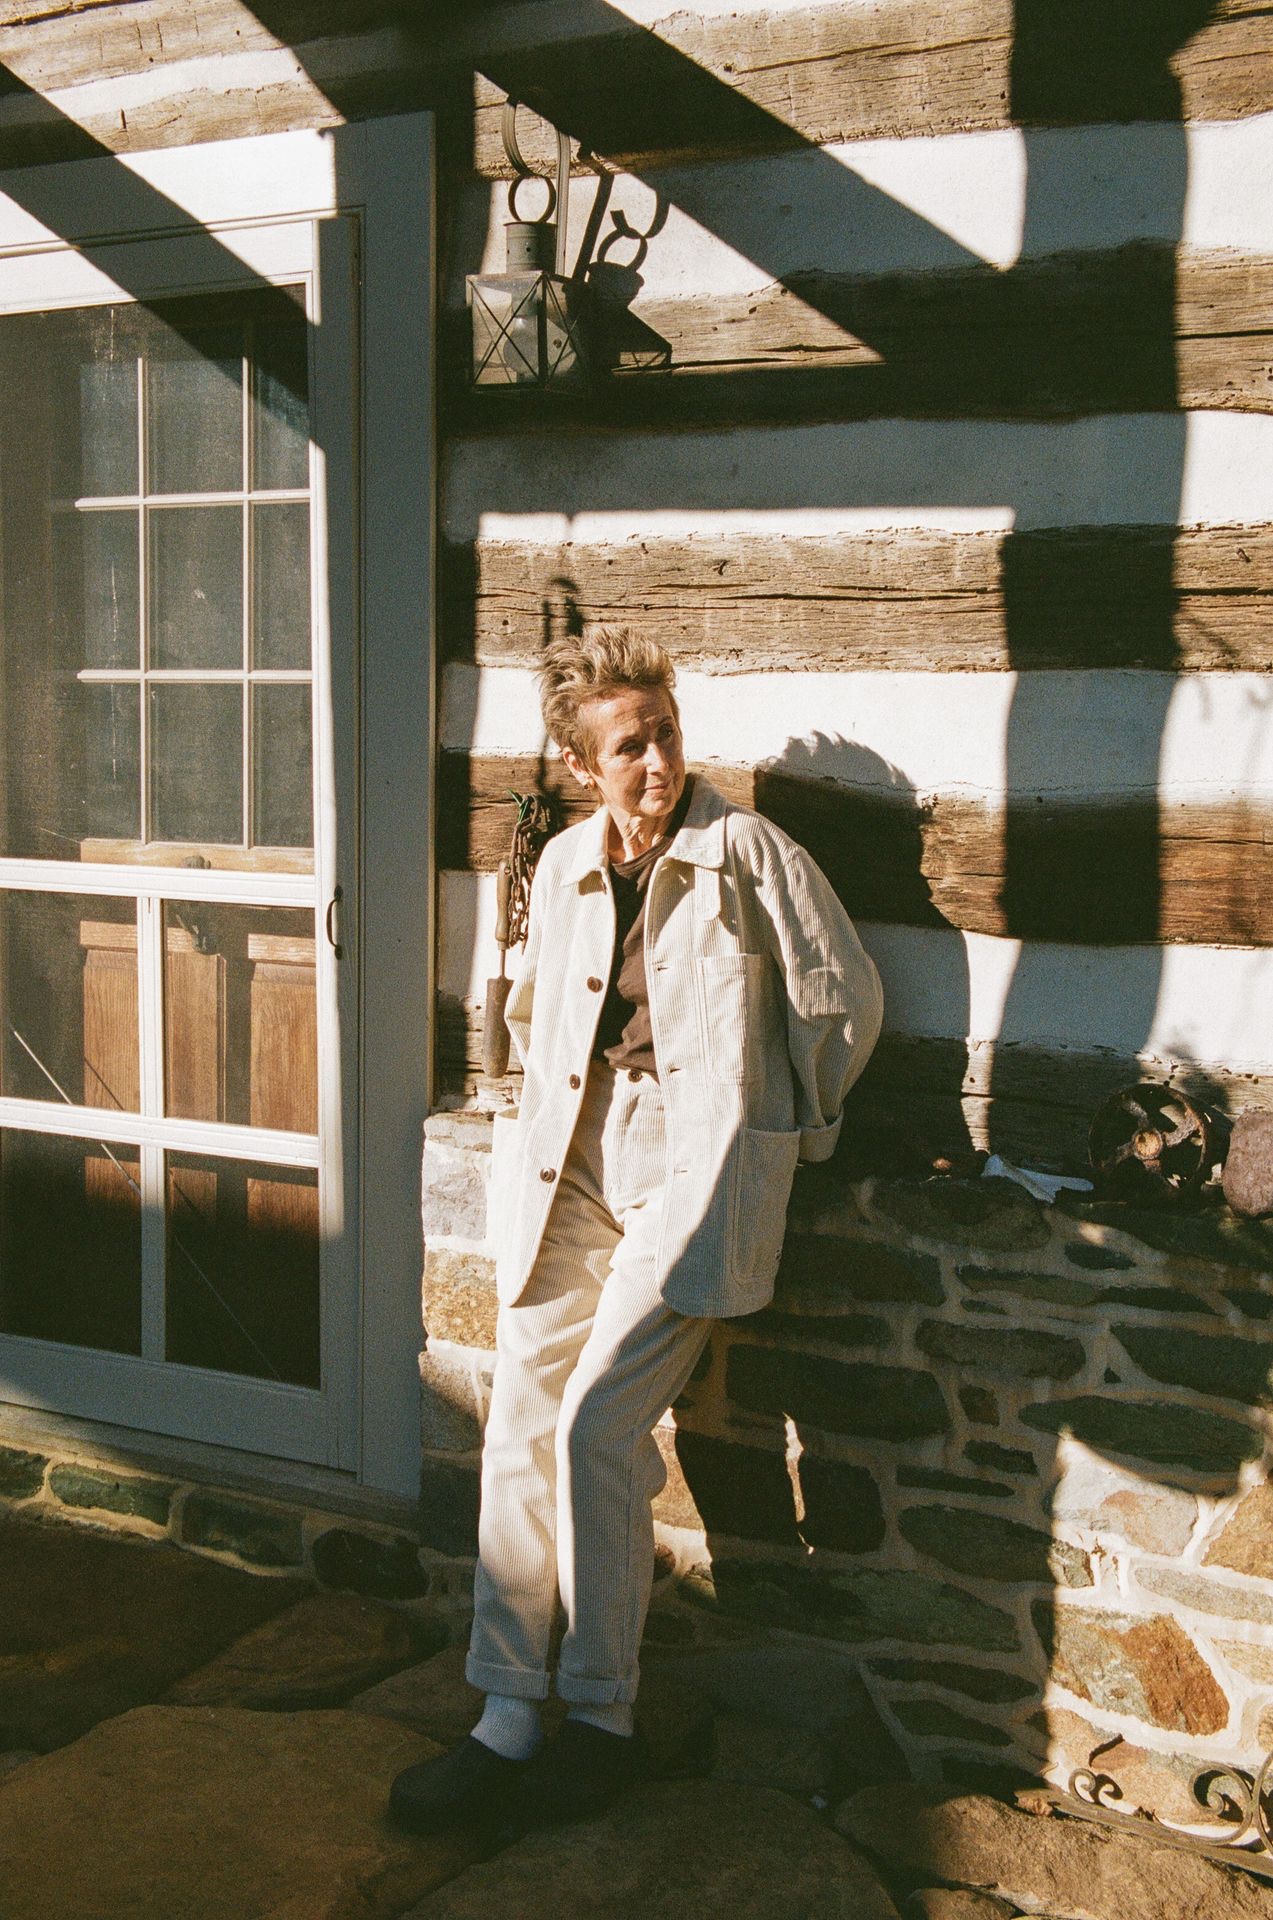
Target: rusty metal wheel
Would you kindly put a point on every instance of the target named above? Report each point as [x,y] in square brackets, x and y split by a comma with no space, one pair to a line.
[1147,1142]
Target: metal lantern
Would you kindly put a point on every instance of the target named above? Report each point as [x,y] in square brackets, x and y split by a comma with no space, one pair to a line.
[529,322]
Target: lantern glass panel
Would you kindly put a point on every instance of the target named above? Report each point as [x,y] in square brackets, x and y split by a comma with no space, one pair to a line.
[528,330]
[507,329]
[566,362]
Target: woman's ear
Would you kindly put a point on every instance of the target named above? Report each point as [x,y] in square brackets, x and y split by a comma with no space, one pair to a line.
[577,767]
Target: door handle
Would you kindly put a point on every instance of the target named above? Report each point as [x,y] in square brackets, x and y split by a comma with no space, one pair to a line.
[333,923]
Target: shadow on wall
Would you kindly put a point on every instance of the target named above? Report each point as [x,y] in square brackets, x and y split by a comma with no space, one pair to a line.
[881,1459]
[818,787]
[1093,69]
[914,1391]
[1118,460]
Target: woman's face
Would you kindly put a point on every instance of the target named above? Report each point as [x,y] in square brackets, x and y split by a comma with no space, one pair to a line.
[638,760]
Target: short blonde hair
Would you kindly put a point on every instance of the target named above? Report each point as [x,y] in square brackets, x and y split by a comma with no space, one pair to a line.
[594,666]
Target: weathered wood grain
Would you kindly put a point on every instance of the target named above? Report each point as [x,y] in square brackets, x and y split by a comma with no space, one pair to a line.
[922,1097]
[476,808]
[1035,1104]
[743,83]
[160,75]
[691,86]
[1099,873]
[1105,305]
[1134,329]
[50,44]
[1190,600]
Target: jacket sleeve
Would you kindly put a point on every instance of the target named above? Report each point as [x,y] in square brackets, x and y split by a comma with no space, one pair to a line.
[834,1003]
[521,999]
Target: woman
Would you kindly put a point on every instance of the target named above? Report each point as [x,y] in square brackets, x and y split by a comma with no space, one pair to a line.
[692,1009]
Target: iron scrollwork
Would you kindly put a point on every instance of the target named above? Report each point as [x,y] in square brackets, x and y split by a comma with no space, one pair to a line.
[1241,1831]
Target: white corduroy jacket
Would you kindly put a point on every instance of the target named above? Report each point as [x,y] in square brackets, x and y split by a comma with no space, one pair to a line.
[764,1010]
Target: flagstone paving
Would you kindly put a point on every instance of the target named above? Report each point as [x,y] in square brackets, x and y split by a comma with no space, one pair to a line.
[181,1741]
[94,1623]
[218,1813]
[315,1654]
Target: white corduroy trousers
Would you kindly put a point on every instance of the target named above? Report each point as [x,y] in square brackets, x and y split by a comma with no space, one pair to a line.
[587,1361]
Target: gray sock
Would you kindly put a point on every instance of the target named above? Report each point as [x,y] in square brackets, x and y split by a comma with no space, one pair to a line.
[510,1726]
[616,1718]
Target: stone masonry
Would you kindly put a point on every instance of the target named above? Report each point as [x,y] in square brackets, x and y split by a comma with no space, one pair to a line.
[1007,1457]
[78,1483]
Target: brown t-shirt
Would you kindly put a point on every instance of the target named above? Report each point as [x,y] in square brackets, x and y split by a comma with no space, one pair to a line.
[624,1035]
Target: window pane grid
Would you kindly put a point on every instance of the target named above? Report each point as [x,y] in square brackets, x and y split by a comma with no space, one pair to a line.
[106,502]
[209,1137]
[177,803]
[194,676]
[173,606]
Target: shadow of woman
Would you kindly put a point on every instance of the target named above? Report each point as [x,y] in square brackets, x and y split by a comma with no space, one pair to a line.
[959,1406]
[865,824]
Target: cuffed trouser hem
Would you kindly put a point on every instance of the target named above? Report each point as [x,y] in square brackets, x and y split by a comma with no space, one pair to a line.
[579,1690]
[515,1683]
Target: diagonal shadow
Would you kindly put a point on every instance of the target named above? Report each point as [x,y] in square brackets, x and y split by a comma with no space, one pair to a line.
[1054,79]
[1081,66]
[135,203]
[1129,473]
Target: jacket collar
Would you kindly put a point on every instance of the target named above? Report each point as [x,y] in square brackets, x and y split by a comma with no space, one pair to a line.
[700,841]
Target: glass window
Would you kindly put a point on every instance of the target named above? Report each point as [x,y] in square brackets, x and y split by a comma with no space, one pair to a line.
[282,766]
[70,1241]
[242,1293]
[280,397]
[196,763]
[68,975]
[196,585]
[96,589]
[280,570]
[241,1015]
[139,448]
[195,394]
[106,440]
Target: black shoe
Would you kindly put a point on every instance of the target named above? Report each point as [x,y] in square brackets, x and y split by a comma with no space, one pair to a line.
[579,1772]
[468,1786]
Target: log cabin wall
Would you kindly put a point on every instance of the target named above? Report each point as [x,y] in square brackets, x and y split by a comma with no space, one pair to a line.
[936,446]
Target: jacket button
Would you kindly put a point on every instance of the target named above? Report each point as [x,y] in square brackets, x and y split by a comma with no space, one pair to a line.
[548,1173]
[594,985]
[575,1081]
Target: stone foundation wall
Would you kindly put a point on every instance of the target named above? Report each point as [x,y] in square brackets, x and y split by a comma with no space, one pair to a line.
[1008,1456]
[287,1537]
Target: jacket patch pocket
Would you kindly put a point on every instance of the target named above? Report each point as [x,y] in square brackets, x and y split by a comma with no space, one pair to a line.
[766,1169]
[730,1014]
[501,1194]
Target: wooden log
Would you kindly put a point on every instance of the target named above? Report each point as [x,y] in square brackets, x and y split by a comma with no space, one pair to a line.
[692,86]
[1133,329]
[1106,872]
[49,44]
[1189,600]
[1034,1104]
[161,73]
[735,83]
[921,1097]
[1111,305]
[477,804]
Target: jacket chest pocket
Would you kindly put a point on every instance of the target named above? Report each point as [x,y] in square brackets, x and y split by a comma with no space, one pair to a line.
[730,1011]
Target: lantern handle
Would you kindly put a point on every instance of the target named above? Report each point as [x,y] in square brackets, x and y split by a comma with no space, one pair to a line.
[560,201]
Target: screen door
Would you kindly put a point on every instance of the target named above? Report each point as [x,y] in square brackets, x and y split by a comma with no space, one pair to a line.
[175,1251]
